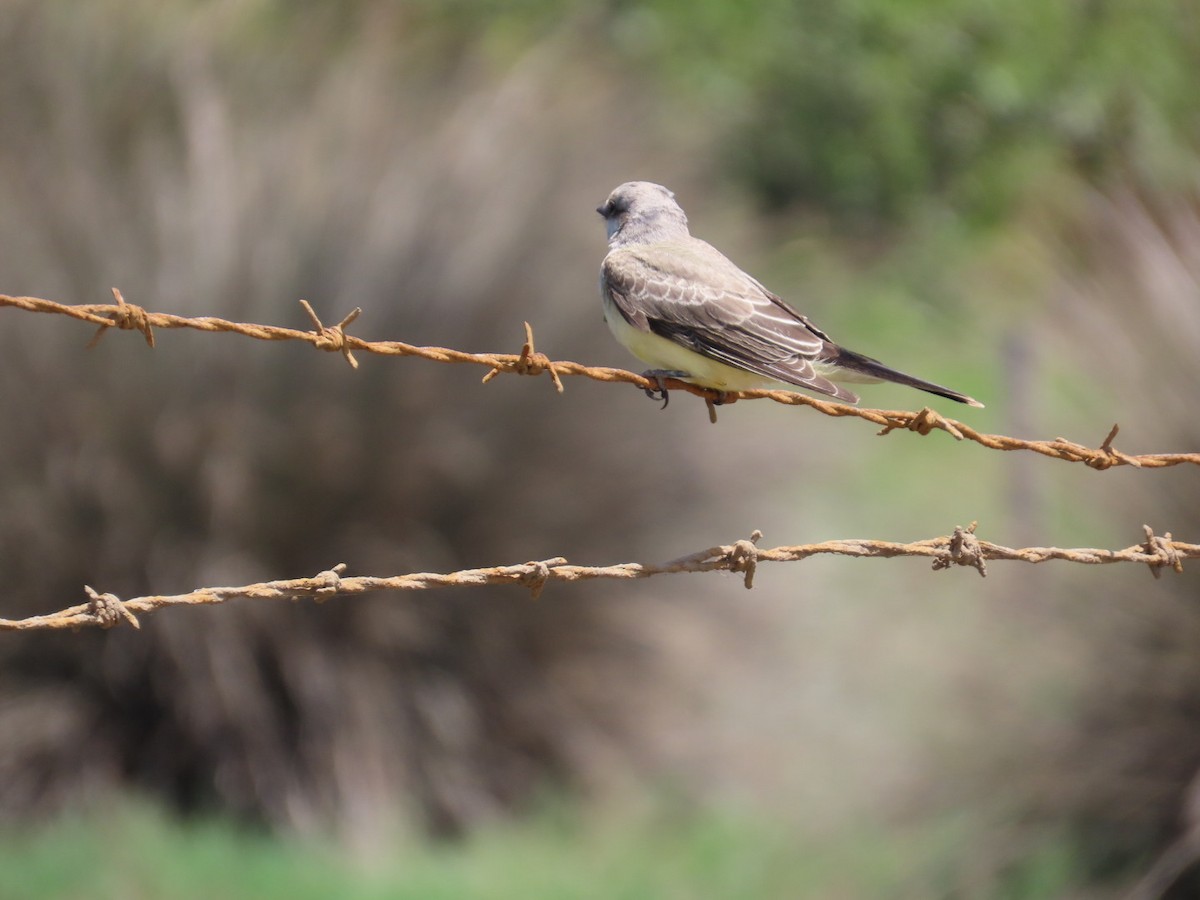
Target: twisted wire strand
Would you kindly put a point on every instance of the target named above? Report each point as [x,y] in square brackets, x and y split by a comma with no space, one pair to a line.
[333,338]
[961,548]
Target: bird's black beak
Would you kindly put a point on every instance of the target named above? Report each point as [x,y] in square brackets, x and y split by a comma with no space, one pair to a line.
[603,210]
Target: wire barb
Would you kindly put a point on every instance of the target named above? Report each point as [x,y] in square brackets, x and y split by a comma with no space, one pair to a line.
[964,549]
[328,583]
[333,337]
[743,557]
[107,610]
[127,316]
[923,422]
[527,362]
[1112,456]
[1164,553]
[538,573]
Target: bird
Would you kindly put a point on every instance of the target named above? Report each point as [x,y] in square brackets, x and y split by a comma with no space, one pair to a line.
[680,305]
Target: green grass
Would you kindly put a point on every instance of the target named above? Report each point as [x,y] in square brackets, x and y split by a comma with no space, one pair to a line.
[136,851]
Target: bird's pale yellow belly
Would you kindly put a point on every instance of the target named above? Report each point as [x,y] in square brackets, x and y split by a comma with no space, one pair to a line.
[660,353]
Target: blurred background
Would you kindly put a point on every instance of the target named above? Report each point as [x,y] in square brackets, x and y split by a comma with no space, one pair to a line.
[999,197]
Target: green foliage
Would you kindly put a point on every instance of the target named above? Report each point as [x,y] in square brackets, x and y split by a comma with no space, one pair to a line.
[865,110]
[136,852]
[868,110]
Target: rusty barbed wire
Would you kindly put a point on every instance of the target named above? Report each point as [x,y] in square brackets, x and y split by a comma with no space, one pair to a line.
[962,548]
[333,338]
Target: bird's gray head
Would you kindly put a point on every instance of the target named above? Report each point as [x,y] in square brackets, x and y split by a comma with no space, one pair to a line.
[640,212]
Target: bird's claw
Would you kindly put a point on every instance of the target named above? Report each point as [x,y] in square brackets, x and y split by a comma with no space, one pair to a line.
[659,376]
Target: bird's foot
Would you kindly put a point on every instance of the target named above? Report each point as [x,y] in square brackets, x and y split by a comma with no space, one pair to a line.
[659,376]
[714,399]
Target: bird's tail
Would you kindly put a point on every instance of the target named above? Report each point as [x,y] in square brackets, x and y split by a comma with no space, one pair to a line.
[855,364]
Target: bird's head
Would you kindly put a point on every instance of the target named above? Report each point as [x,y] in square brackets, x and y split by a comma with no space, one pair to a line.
[640,211]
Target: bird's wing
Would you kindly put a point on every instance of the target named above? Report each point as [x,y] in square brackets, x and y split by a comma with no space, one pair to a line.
[690,293]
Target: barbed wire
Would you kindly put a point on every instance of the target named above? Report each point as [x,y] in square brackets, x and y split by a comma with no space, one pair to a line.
[962,548]
[333,338]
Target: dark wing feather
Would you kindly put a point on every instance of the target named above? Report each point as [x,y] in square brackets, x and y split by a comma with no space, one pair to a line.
[688,292]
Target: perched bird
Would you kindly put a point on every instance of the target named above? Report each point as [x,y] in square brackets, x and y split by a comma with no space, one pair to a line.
[679,304]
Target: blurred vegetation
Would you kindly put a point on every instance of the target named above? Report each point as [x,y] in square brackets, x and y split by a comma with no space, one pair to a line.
[999,196]
[137,851]
[871,112]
